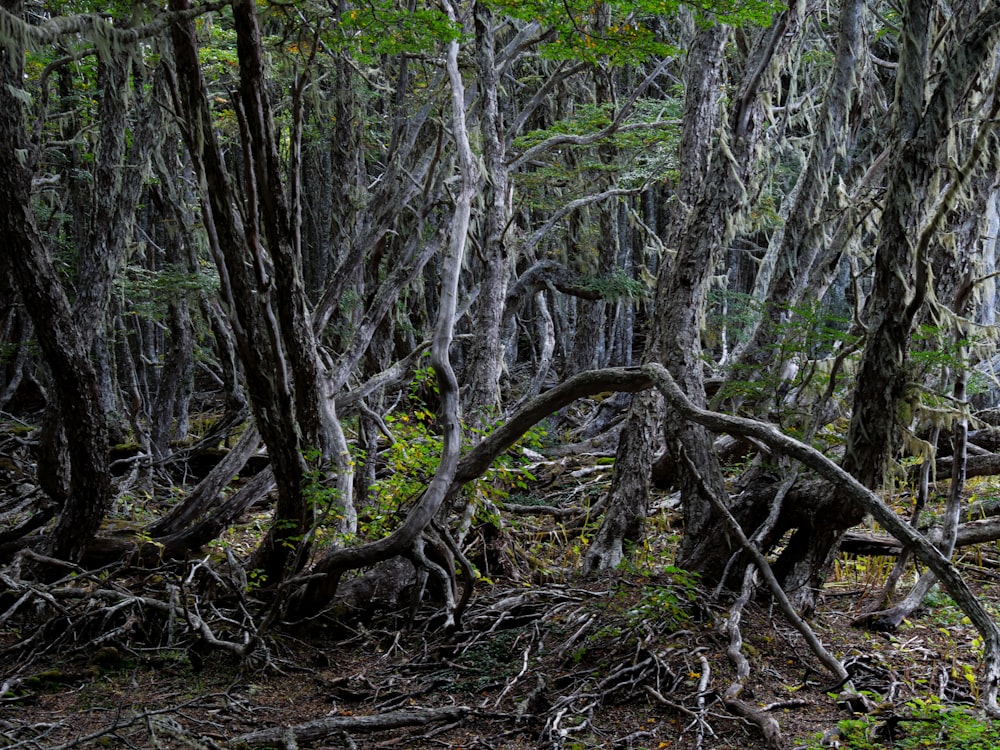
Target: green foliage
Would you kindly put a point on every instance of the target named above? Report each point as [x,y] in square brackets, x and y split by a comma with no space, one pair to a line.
[920,723]
[149,291]
[507,473]
[648,152]
[255,580]
[621,32]
[618,285]
[661,607]
[585,119]
[615,33]
[936,347]
[325,499]
[413,455]
[382,27]
[806,334]
[668,604]
[217,53]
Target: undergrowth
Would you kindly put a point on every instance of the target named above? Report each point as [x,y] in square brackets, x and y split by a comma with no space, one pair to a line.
[919,723]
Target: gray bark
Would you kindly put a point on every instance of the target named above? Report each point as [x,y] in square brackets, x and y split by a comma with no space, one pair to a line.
[259,262]
[485,357]
[628,497]
[325,576]
[903,255]
[726,192]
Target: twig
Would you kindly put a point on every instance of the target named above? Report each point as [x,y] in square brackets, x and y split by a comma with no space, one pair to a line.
[706,672]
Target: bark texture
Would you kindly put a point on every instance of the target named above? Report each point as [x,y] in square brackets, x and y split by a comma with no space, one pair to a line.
[912,213]
[75,385]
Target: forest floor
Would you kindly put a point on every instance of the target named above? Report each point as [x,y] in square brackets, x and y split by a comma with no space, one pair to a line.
[541,659]
[614,663]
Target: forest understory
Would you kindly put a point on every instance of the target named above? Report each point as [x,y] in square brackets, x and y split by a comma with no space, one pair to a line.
[144,655]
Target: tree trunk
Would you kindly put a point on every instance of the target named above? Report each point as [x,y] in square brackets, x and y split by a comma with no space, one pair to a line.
[317,592]
[628,497]
[625,515]
[259,261]
[74,382]
[784,272]
[485,357]
[726,193]
[901,272]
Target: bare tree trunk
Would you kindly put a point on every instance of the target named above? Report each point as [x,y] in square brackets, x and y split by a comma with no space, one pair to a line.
[74,382]
[726,193]
[259,260]
[173,394]
[628,497]
[105,215]
[485,357]
[850,488]
[716,209]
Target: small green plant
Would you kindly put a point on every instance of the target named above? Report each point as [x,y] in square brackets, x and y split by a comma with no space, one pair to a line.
[668,604]
[255,579]
[920,723]
[414,452]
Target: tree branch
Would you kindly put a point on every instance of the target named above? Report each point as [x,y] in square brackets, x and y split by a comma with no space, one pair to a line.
[858,493]
[94,26]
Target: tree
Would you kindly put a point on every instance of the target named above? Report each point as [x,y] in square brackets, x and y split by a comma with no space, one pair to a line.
[682,286]
[74,383]
[901,268]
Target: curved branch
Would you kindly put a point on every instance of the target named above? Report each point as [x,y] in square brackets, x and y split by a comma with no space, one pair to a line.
[586,140]
[589,383]
[855,492]
[563,211]
[537,278]
[320,584]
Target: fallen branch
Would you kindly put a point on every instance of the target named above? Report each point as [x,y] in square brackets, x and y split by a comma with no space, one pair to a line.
[972,532]
[320,729]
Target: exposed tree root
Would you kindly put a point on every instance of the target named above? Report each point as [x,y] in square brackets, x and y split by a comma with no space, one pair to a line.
[825,657]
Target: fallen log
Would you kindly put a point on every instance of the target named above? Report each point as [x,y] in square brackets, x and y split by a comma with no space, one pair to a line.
[972,532]
[976,466]
[320,729]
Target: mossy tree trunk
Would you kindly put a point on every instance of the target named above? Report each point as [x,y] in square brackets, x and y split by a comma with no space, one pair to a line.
[74,383]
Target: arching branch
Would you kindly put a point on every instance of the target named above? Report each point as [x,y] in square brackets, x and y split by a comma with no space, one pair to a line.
[853,491]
